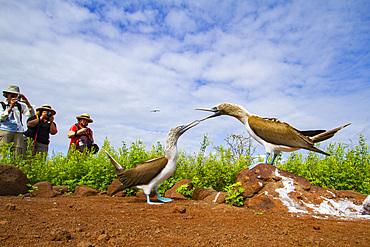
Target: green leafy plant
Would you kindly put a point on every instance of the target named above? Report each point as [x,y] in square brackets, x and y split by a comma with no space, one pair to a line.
[184,190]
[234,194]
[345,169]
[32,188]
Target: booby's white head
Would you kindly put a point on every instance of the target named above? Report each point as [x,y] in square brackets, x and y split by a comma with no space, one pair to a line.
[226,109]
[175,133]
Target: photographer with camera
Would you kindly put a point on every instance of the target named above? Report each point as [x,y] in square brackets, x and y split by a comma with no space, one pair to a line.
[82,136]
[40,127]
[11,125]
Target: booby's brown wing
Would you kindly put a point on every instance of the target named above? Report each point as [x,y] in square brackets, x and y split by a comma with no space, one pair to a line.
[143,173]
[276,132]
[311,132]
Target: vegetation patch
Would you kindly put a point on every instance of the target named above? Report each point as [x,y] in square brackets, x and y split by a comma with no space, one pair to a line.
[346,169]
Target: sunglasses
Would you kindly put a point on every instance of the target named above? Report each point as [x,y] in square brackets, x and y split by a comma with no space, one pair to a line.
[13,95]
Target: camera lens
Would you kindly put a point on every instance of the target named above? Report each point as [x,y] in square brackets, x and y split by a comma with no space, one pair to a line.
[49,113]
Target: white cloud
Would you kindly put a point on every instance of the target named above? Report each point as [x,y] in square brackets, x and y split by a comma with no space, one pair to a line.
[304,63]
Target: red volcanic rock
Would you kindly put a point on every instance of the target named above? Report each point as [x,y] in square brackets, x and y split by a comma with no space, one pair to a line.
[218,197]
[44,189]
[85,191]
[171,193]
[12,181]
[270,188]
[201,193]
[113,186]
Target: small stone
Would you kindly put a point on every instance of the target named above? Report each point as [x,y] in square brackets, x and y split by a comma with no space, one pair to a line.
[9,206]
[179,210]
[60,235]
[103,237]
[85,244]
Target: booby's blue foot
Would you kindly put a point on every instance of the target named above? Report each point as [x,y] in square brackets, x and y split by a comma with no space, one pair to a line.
[163,199]
[253,166]
[152,203]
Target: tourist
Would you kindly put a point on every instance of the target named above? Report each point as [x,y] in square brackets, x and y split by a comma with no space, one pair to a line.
[40,127]
[82,136]
[11,125]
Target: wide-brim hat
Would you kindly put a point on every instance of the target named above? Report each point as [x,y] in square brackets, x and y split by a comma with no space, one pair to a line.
[12,89]
[85,116]
[46,108]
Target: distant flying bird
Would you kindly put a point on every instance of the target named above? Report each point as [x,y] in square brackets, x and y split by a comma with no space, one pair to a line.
[274,135]
[155,110]
[150,174]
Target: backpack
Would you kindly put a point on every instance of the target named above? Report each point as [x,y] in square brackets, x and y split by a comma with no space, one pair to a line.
[19,109]
[87,143]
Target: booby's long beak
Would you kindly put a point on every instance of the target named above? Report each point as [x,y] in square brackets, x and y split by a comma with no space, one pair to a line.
[214,110]
[184,128]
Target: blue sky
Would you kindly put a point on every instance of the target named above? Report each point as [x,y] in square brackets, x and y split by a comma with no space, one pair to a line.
[303,62]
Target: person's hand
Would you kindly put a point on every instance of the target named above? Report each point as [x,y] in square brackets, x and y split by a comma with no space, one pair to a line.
[44,115]
[83,130]
[12,102]
[51,118]
[24,99]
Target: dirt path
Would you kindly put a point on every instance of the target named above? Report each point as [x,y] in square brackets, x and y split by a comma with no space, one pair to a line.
[105,221]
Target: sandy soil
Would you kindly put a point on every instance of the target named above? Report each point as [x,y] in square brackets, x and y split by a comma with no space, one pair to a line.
[115,221]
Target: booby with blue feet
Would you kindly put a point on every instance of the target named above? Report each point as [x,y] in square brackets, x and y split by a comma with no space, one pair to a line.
[150,174]
[274,135]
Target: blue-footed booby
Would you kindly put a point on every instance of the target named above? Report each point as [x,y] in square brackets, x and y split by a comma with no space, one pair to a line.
[274,135]
[150,174]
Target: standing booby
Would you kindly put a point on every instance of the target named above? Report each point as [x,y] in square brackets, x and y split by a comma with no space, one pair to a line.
[274,135]
[149,174]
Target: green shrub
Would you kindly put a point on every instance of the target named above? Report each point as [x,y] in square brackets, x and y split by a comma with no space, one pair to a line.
[234,194]
[346,169]
[184,190]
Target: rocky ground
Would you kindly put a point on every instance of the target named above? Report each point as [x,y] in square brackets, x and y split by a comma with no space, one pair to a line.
[118,221]
[280,209]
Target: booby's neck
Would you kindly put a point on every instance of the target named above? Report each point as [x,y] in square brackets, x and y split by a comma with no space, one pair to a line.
[170,147]
[239,112]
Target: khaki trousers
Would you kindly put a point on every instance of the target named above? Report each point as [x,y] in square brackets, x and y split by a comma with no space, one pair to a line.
[41,148]
[16,138]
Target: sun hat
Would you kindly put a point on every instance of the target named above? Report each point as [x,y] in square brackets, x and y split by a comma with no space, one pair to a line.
[12,89]
[85,116]
[46,108]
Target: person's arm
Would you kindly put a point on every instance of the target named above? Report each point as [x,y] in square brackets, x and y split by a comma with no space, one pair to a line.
[29,111]
[53,126]
[74,132]
[5,113]
[33,123]
[91,137]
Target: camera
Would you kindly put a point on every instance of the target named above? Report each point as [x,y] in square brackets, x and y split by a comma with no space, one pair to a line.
[19,97]
[49,113]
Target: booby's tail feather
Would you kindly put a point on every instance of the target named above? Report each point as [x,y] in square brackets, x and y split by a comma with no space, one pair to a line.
[317,150]
[119,170]
[327,134]
[122,187]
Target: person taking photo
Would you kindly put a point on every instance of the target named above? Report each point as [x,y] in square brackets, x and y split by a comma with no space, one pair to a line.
[40,127]
[82,136]
[11,125]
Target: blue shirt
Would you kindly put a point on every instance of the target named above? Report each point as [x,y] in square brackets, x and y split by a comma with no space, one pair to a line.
[12,121]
